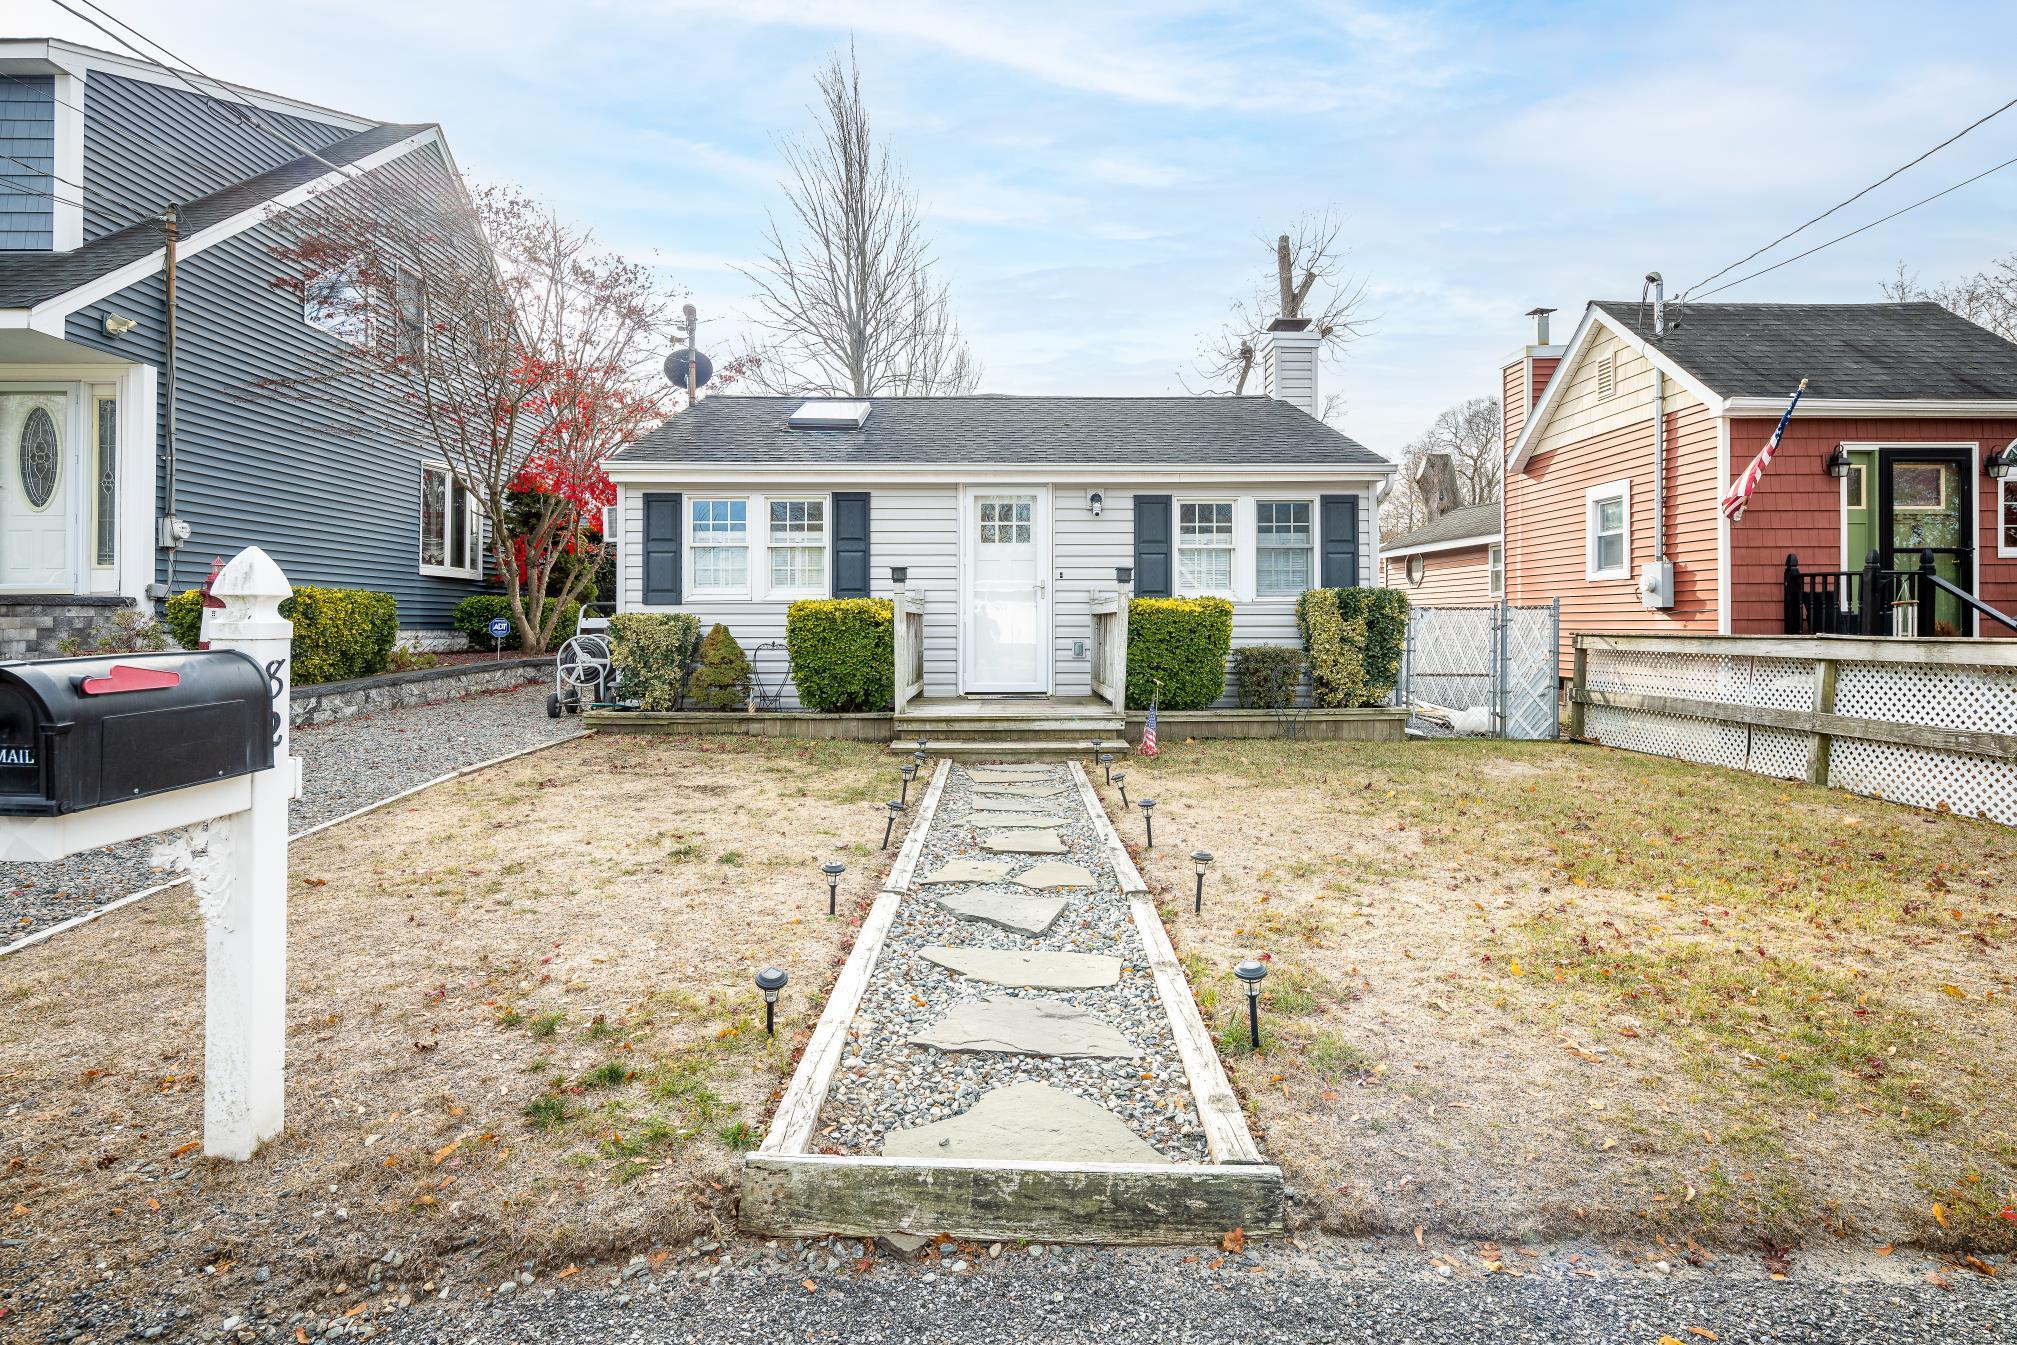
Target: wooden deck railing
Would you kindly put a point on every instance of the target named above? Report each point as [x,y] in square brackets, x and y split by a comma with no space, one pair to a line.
[909,614]
[1110,647]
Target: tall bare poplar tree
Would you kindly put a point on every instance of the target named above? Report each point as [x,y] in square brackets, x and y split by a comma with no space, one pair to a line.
[846,293]
[1307,280]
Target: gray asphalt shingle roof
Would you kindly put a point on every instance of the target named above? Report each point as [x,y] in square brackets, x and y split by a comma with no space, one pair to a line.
[1473,520]
[28,278]
[1884,352]
[1259,431]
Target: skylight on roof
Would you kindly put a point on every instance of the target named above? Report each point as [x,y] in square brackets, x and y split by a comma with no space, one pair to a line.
[829,415]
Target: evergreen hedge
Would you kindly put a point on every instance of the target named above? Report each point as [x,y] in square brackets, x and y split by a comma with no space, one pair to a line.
[1353,637]
[1268,675]
[1385,612]
[1177,651]
[474,613]
[651,651]
[721,680]
[843,653]
[339,633]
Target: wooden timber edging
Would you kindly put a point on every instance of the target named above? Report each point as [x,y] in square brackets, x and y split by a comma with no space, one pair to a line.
[860,728]
[1377,723]
[791,1128]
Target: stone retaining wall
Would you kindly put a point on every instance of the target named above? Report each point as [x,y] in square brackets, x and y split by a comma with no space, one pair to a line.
[368,695]
[31,626]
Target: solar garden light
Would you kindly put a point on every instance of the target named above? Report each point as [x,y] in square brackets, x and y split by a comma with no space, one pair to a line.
[895,807]
[833,869]
[1107,762]
[909,771]
[1121,783]
[1253,973]
[770,980]
[1148,820]
[1200,860]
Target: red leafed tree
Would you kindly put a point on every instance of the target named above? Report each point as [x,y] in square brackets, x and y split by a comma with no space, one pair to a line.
[519,350]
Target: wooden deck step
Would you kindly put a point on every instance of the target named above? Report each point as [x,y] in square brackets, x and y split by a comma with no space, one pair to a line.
[1010,749]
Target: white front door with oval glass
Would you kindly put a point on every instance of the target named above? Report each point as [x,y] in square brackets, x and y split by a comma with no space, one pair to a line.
[35,508]
[1006,604]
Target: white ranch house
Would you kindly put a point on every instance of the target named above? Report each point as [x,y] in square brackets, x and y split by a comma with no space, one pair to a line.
[1013,519]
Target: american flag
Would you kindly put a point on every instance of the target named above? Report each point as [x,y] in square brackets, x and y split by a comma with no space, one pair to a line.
[1739,494]
[1148,747]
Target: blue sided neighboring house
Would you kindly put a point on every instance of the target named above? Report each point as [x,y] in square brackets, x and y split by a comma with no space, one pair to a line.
[99,506]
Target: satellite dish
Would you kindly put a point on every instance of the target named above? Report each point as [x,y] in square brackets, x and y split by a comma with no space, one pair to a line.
[676,366]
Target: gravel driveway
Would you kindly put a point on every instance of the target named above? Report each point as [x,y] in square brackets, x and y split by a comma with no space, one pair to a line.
[348,764]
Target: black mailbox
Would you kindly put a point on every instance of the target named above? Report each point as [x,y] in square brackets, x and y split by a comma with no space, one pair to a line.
[80,733]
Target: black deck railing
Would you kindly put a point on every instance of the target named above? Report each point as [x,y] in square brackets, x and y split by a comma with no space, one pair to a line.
[1874,600]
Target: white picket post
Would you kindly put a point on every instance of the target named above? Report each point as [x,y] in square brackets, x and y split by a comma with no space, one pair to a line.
[238,866]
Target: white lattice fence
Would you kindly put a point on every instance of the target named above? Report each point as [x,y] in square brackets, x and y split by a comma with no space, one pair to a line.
[1931,723]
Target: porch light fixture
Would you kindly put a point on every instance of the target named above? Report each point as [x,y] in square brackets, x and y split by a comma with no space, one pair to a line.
[833,869]
[118,324]
[771,980]
[1121,783]
[1252,973]
[1148,820]
[898,574]
[888,827]
[1124,575]
[1107,764]
[909,772]
[1999,466]
[1200,860]
[1838,463]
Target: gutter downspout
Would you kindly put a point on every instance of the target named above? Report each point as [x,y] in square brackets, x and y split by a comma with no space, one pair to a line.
[170,227]
[1659,289]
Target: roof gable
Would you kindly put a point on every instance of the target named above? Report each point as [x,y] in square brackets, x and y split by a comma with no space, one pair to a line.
[1473,525]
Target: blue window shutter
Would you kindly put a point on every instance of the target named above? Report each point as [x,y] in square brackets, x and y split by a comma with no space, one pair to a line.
[662,523]
[1152,546]
[850,544]
[1340,540]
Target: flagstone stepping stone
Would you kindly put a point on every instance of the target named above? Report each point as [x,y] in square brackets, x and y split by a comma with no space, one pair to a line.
[1000,775]
[1011,803]
[1015,1025]
[1026,1122]
[1026,791]
[1038,970]
[971,871]
[1024,843]
[1015,819]
[1054,873]
[1024,915]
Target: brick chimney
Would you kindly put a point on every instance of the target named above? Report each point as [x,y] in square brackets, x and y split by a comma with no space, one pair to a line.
[1288,357]
[1525,377]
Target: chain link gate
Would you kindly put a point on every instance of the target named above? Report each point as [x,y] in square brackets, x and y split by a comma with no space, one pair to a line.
[1500,659]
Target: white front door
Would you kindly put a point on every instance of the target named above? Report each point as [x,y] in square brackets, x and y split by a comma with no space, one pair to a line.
[1006,628]
[35,489]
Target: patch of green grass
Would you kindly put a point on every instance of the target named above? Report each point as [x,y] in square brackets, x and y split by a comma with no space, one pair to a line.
[1335,1059]
[507,1017]
[546,1024]
[547,1112]
[732,858]
[740,1136]
[608,1074]
[600,1028]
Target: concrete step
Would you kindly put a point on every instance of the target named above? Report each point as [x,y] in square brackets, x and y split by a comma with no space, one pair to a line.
[964,725]
[993,749]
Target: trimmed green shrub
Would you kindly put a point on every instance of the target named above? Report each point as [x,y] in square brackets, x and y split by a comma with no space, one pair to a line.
[1385,612]
[1335,648]
[721,681]
[1268,675]
[1177,651]
[651,651]
[339,633]
[473,615]
[843,653]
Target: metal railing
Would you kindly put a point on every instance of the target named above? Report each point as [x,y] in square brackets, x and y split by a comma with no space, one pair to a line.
[1874,600]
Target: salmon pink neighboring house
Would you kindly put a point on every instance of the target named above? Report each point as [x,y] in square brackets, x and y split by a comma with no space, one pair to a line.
[1621,442]
[1452,561]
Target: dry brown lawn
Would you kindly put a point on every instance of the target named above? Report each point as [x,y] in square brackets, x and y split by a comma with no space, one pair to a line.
[1537,990]
[521,1026]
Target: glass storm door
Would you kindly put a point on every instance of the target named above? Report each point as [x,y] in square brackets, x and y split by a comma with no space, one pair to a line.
[35,492]
[1006,600]
[1926,504]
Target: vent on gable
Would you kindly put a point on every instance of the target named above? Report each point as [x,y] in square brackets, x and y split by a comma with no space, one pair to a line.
[1607,377]
[829,415]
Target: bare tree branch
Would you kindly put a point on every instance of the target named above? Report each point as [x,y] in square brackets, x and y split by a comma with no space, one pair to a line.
[1309,281]
[1987,298]
[1469,433]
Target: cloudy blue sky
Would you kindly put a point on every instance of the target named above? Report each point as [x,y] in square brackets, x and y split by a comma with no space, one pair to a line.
[1099,179]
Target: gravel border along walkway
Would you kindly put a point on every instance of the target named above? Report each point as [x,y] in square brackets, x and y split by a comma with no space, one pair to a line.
[350,764]
[884,1083]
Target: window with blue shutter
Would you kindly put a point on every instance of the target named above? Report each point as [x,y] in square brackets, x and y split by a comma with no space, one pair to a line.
[1340,523]
[1152,546]
[661,549]
[850,544]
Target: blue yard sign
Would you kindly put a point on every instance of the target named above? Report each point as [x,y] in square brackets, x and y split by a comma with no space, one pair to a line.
[499,627]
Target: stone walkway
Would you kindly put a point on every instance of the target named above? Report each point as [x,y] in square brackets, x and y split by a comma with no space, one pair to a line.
[1009,1015]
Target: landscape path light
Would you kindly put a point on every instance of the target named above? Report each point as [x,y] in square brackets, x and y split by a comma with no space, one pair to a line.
[895,807]
[909,772]
[770,980]
[1200,860]
[1121,783]
[1148,820]
[1253,973]
[1107,763]
[833,869]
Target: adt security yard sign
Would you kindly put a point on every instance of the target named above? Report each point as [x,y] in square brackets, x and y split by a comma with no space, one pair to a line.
[499,628]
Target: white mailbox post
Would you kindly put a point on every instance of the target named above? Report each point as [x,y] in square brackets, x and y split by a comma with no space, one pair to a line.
[230,837]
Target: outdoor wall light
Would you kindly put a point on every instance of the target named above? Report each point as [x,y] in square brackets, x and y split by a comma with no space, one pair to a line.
[1120,780]
[1096,502]
[1107,763]
[1124,575]
[908,770]
[1200,860]
[1148,820]
[1999,466]
[1838,462]
[118,324]
[833,869]
[771,980]
[895,807]
[1253,973]
[898,574]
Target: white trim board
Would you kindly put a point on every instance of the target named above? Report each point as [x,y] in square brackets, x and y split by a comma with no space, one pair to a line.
[54,55]
[682,475]
[1454,544]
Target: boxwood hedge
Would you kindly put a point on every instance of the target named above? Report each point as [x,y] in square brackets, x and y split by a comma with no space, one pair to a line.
[474,613]
[339,633]
[1177,651]
[1268,675]
[843,653]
